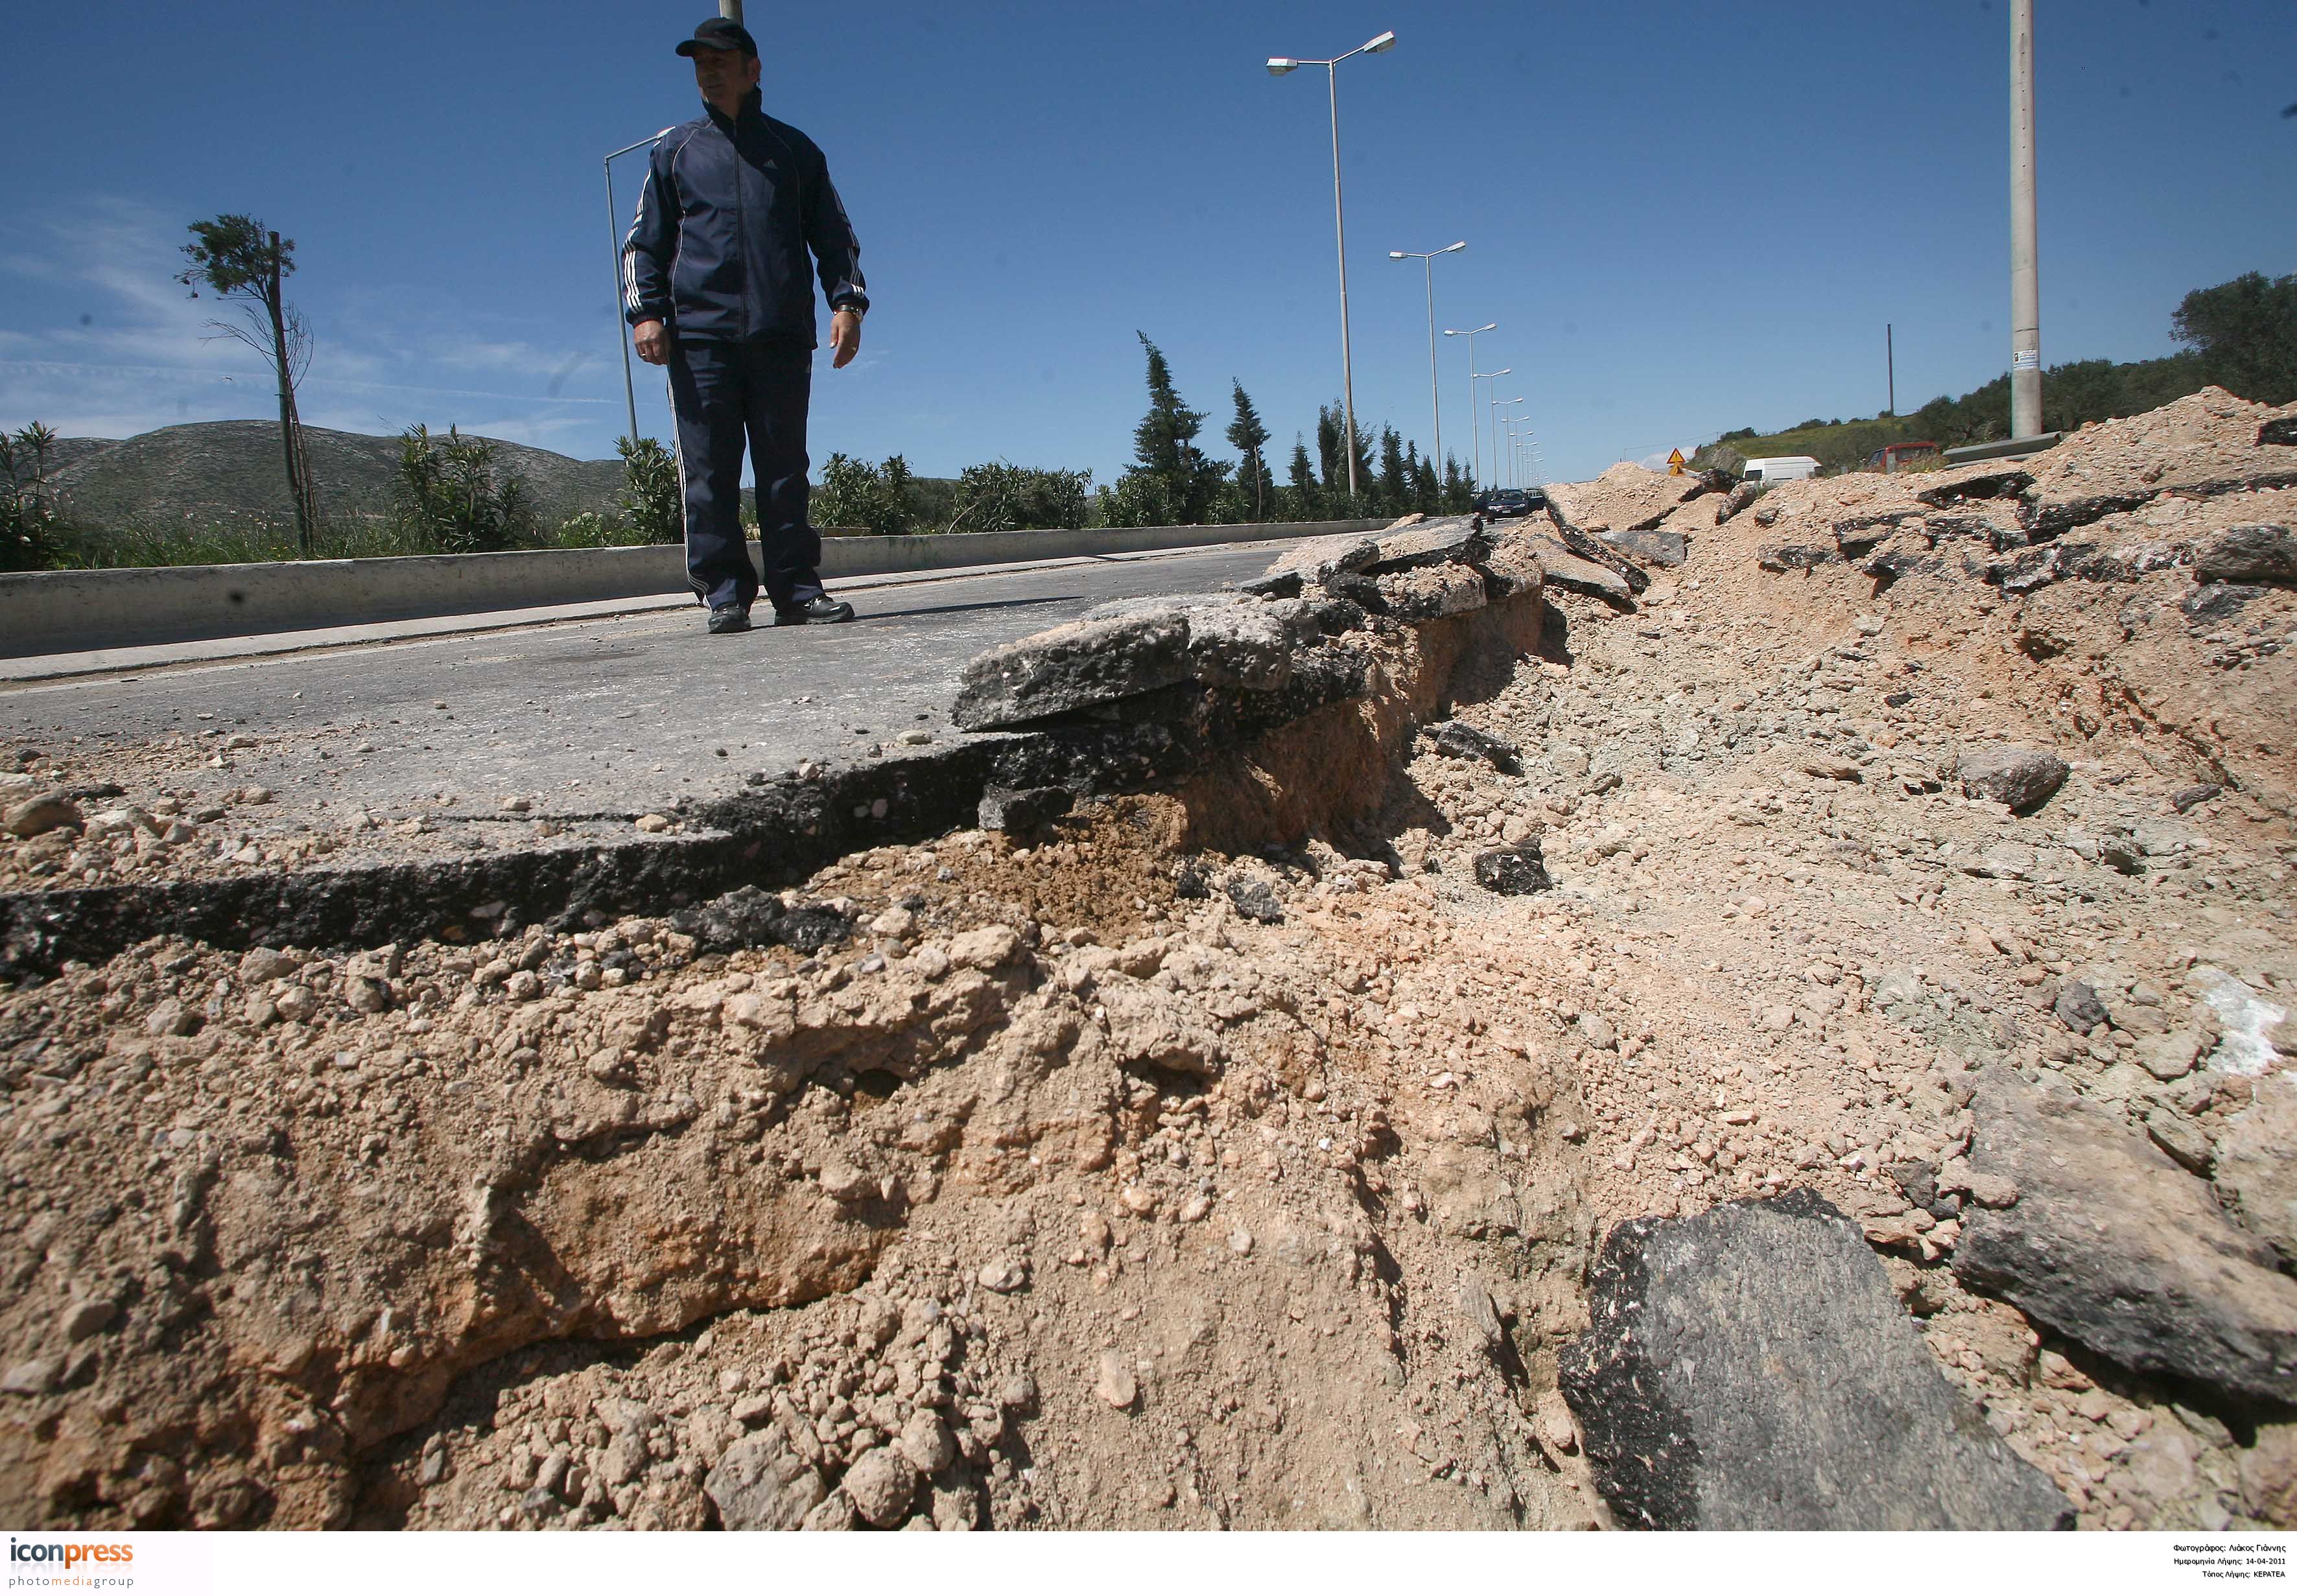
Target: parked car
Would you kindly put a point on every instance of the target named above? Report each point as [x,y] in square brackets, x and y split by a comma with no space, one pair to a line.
[1782,468]
[1508,504]
[1891,457]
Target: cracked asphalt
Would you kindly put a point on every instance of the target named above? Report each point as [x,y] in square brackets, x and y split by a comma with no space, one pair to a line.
[580,718]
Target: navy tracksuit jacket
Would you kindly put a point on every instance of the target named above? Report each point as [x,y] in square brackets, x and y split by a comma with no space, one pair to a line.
[729,211]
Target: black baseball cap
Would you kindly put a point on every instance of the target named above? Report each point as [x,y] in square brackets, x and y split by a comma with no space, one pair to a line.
[720,33]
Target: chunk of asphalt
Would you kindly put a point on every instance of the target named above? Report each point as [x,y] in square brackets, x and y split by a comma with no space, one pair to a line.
[1512,872]
[1459,740]
[2115,1246]
[1255,900]
[749,917]
[1750,1368]
[1023,810]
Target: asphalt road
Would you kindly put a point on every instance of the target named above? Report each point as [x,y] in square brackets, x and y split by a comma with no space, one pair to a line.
[597,716]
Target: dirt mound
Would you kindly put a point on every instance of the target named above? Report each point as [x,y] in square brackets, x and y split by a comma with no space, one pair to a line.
[1058,1187]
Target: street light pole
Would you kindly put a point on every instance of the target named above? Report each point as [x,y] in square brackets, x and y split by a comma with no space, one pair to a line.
[1489,376]
[1528,441]
[2025,277]
[1435,397]
[1278,65]
[1476,443]
[614,233]
[1340,237]
[1496,420]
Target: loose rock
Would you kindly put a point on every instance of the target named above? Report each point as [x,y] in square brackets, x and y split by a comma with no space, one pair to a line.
[759,1484]
[2024,778]
[882,1483]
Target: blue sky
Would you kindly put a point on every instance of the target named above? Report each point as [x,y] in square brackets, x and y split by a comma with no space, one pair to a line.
[1684,218]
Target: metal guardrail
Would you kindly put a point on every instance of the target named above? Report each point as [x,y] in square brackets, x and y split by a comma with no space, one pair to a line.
[2006,448]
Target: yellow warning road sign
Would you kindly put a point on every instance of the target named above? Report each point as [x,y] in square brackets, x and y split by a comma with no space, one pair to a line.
[1676,463]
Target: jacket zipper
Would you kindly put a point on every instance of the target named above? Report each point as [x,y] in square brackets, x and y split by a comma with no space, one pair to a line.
[741,226]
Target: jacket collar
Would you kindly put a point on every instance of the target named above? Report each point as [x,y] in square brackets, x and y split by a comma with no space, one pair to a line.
[753,109]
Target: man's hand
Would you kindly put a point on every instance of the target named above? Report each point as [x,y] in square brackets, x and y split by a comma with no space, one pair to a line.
[653,342]
[844,339]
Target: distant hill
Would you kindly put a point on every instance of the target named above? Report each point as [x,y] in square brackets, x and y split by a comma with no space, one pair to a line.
[231,468]
[2079,392]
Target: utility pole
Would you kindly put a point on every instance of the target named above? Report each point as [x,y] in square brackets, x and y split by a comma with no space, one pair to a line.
[731,10]
[1891,365]
[2025,280]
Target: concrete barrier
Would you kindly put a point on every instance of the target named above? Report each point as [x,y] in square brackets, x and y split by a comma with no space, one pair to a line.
[65,611]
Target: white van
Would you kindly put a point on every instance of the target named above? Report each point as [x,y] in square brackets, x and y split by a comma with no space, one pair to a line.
[1782,468]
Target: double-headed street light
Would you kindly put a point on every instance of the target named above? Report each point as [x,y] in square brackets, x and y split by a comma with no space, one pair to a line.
[1534,464]
[1476,443]
[1497,421]
[1515,449]
[1492,377]
[1278,65]
[1427,260]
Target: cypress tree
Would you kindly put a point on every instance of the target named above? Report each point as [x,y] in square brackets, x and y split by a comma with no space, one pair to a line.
[1178,475]
[1394,490]
[1247,435]
[1307,501]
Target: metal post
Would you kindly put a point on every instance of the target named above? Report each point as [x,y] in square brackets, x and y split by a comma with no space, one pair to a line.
[1475,425]
[731,10]
[1435,394]
[1340,233]
[615,250]
[1493,378]
[1891,365]
[622,331]
[2025,280]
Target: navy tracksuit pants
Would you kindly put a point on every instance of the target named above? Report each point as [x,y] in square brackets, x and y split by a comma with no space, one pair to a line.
[724,393]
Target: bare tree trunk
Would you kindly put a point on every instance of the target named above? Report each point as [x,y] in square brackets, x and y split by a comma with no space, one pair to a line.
[290,426]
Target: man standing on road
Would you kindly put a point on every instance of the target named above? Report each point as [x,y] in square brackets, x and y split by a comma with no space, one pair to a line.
[716,287]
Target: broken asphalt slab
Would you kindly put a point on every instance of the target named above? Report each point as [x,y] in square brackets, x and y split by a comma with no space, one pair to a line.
[1750,1368]
[2112,1245]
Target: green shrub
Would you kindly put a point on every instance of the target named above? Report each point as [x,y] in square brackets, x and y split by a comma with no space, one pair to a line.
[999,496]
[855,493]
[650,495]
[26,519]
[450,494]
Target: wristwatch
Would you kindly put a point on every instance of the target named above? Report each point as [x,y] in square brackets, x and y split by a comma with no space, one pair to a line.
[854,306]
